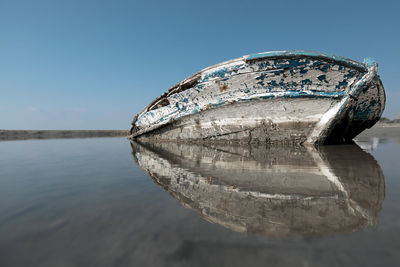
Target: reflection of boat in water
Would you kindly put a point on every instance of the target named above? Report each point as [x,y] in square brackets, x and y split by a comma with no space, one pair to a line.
[276,191]
[369,144]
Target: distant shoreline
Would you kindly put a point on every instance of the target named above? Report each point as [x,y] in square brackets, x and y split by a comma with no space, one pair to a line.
[380,130]
[9,135]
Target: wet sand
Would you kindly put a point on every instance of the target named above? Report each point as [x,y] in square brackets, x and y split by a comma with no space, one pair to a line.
[8,135]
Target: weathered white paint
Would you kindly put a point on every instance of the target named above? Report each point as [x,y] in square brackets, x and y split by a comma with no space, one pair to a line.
[328,120]
[263,80]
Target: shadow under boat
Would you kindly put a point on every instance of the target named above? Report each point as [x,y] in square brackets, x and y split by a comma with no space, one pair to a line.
[273,191]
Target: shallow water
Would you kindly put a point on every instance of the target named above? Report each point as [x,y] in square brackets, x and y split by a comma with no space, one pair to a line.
[89,202]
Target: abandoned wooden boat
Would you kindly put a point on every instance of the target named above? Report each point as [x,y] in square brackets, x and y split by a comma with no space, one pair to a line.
[272,97]
[270,190]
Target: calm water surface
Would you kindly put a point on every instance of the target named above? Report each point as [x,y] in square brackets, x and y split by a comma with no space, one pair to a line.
[106,202]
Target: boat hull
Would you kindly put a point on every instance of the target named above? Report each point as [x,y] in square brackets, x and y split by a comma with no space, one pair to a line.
[273,98]
[261,121]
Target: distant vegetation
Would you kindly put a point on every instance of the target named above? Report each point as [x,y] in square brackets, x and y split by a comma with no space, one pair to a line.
[386,120]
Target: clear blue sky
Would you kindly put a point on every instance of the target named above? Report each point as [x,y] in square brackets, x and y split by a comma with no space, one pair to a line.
[94,64]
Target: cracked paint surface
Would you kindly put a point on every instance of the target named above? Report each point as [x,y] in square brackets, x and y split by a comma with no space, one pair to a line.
[287,75]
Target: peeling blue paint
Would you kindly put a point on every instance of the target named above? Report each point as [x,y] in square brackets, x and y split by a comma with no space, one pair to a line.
[322,78]
[306,82]
[273,83]
[302,72]
[274,54]
[370,62]
[278,76]
[324,68]
[341,85]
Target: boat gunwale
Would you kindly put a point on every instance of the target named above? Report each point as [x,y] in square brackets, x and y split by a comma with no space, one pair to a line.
[362,67]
